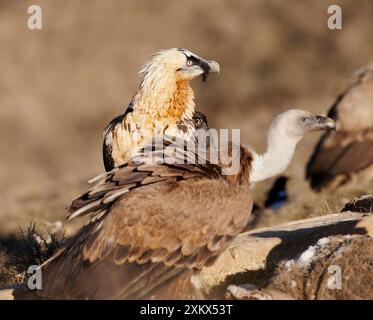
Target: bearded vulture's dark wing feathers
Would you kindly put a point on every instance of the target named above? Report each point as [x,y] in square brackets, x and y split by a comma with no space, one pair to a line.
[107,148]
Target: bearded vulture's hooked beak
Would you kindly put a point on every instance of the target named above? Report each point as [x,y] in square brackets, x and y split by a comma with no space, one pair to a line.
[209,66]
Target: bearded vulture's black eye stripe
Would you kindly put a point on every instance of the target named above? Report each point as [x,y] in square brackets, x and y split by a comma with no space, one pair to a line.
[198,62]
[204,65]
[194,60]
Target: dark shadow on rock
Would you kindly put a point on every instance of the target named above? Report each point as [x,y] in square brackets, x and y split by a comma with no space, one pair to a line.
[293,243]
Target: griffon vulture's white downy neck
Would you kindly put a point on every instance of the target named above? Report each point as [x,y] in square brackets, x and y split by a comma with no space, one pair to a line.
[285,131]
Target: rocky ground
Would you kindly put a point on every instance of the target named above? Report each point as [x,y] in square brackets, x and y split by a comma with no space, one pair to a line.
[328,257]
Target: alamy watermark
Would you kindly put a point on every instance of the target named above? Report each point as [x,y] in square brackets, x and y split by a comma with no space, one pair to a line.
[34,21]
[35,279]
[335,19]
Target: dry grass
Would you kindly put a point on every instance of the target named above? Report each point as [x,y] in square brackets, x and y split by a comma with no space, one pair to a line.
[28,248]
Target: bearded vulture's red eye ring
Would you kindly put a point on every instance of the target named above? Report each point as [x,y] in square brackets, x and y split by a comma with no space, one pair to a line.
[189,63]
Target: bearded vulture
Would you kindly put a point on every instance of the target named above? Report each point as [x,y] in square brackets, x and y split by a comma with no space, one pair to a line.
[152,227]
[163,103]
[347,154]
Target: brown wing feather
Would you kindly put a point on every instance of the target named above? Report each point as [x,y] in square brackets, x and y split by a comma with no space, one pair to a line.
[130,176]
[151,235]
[334,165]
[138,173]
[342,154]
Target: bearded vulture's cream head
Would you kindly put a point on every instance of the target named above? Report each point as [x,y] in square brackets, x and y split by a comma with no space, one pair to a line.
[180,64]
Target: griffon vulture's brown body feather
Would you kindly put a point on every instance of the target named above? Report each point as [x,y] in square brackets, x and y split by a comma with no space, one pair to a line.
[151,228]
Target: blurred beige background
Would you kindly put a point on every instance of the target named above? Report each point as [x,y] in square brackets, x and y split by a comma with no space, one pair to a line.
[59,86]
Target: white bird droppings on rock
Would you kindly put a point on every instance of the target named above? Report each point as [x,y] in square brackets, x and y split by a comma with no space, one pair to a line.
[323,241]
[306,257]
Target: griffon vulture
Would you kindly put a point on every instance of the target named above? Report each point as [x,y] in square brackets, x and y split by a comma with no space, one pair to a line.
[153,227]
[346,155]
[163,104]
